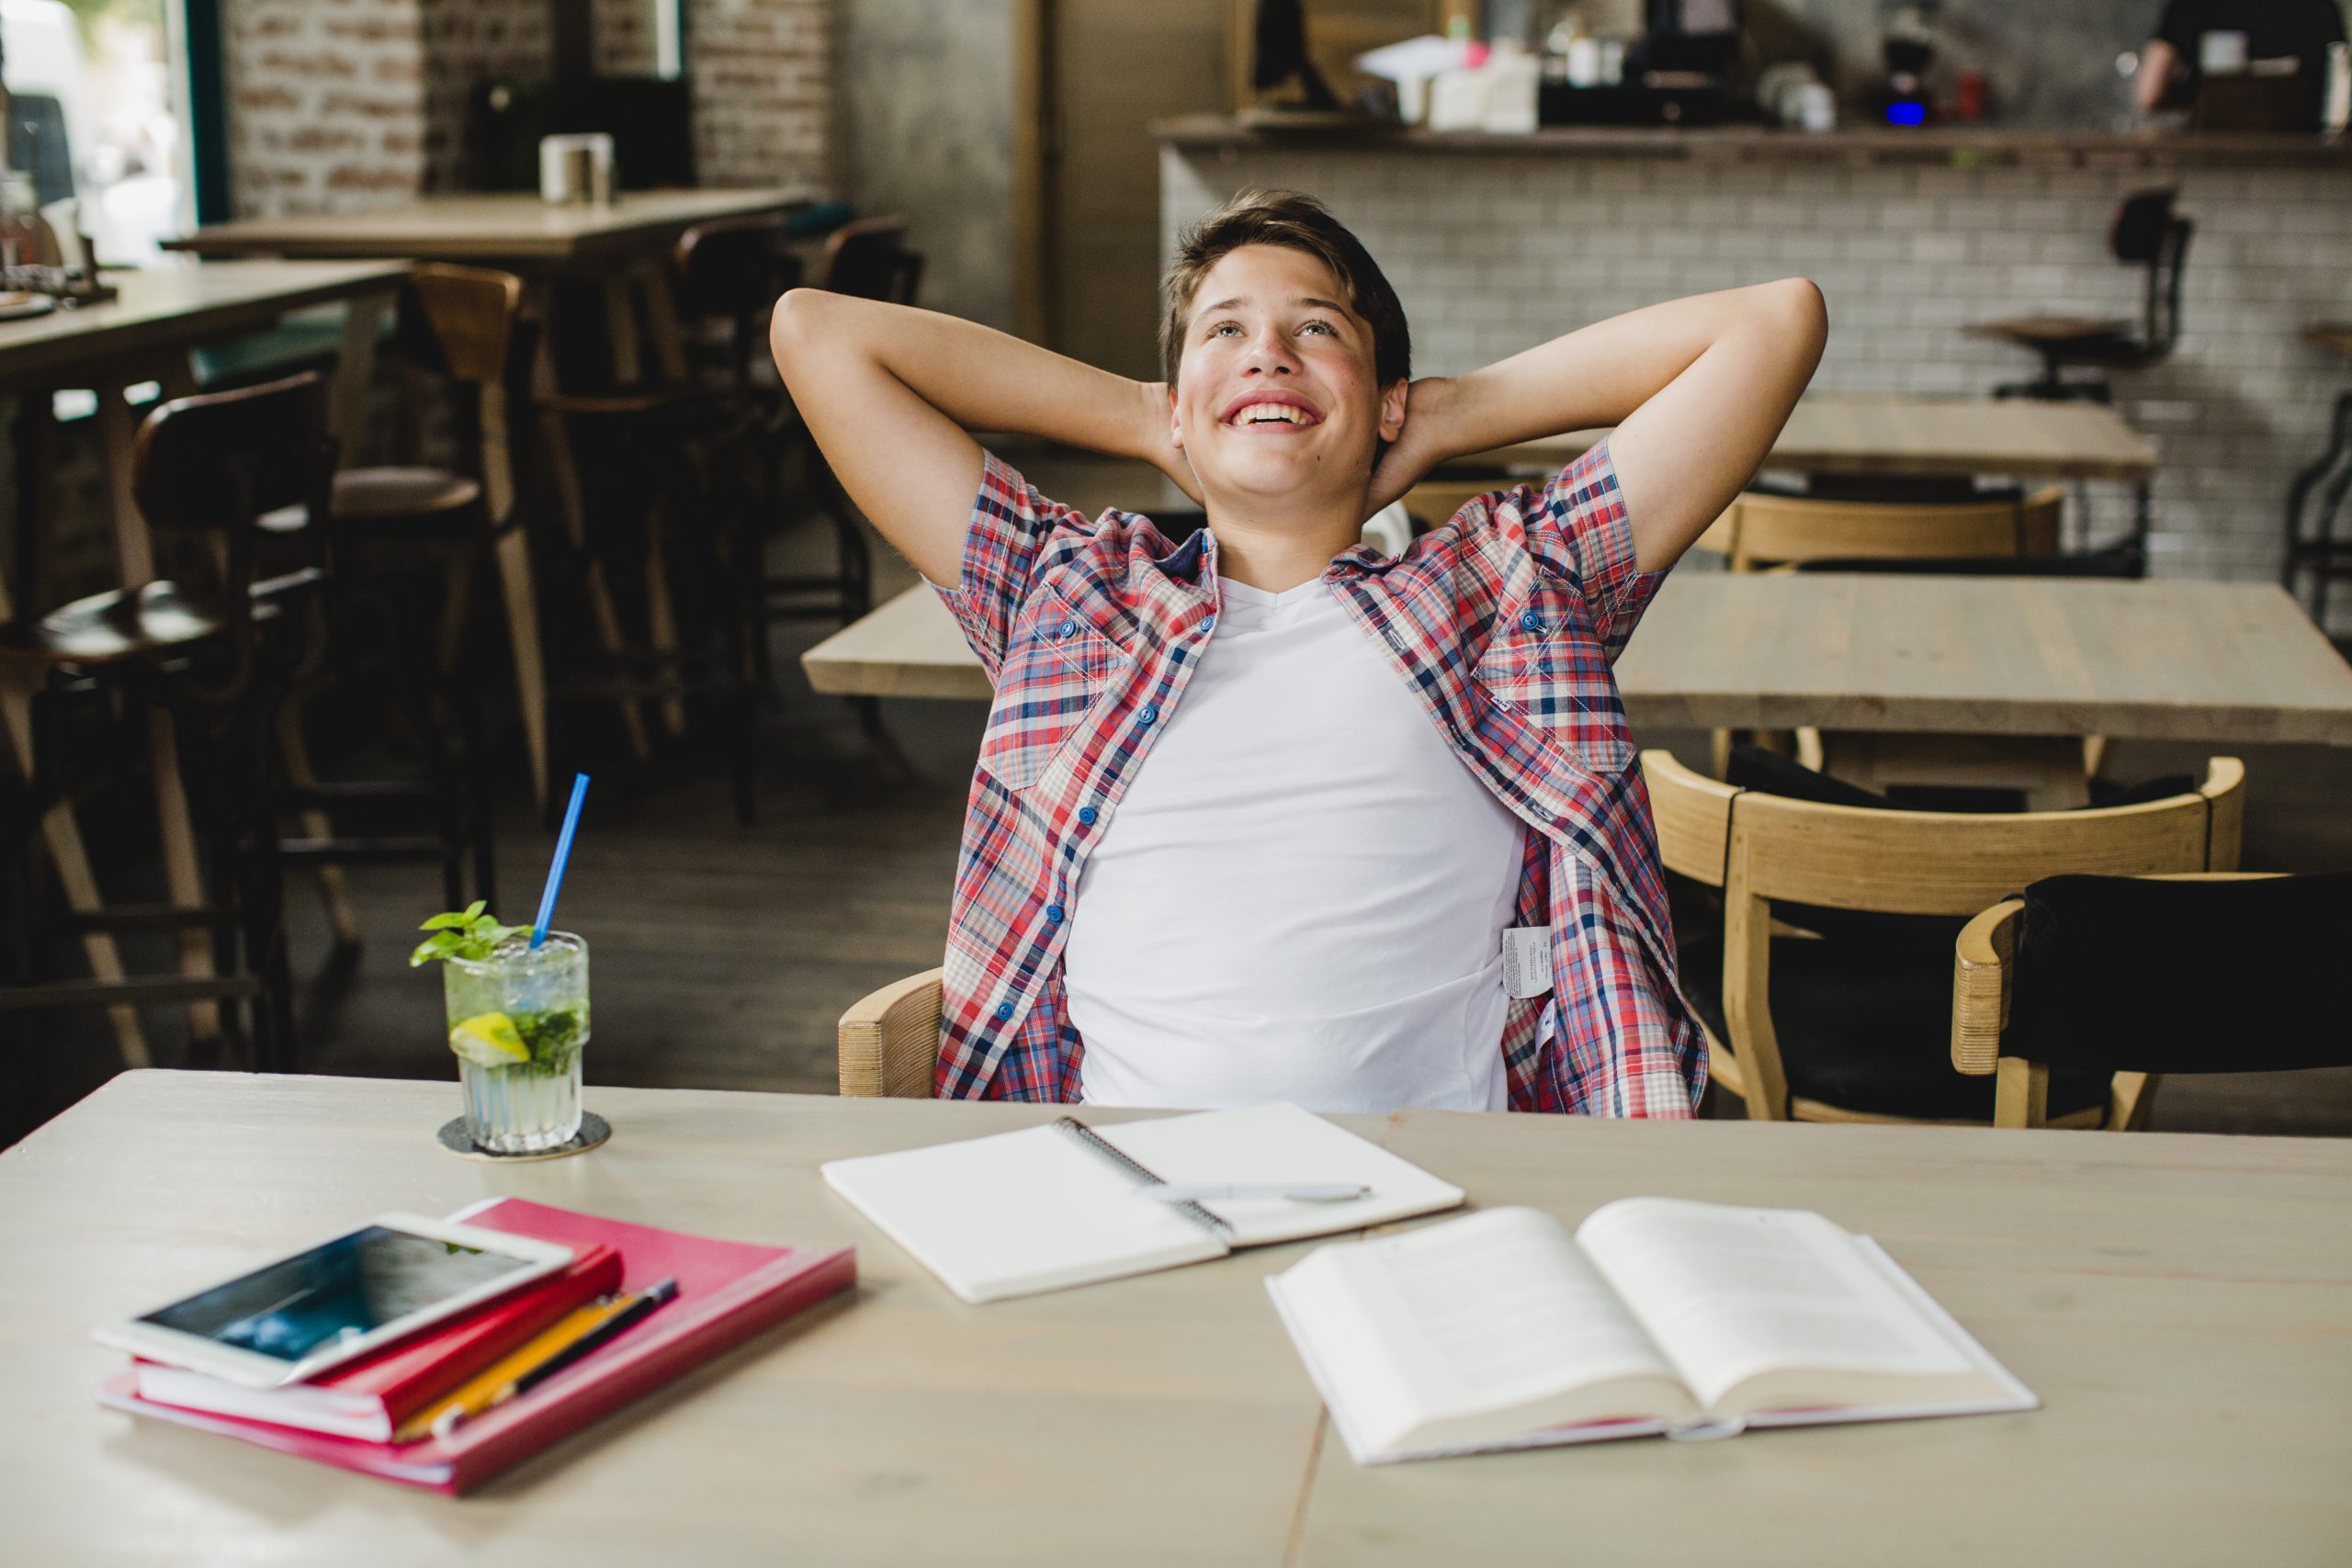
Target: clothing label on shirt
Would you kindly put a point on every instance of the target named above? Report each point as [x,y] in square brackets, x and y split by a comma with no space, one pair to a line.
[1527,961]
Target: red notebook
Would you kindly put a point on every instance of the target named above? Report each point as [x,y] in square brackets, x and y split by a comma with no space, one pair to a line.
[371,1397]
[727,1292]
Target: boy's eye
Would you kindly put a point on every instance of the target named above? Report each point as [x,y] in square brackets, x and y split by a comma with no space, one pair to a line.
[1323,327]
[1224,327]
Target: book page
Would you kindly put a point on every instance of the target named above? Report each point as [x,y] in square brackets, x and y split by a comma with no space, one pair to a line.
[1497,1314]
[1734,1295]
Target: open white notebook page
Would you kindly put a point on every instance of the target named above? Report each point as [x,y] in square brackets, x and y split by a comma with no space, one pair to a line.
[1276,1144]
[1737,1294]
[1017,1213]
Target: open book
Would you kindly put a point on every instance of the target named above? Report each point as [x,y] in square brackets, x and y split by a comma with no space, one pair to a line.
[1658,1316]
[1047,1208]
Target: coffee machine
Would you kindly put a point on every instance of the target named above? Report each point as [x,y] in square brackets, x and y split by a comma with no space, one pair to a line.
[1909,48]
[1678,72]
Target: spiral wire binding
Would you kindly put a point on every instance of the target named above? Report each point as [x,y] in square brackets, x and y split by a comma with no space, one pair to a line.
[1112,1152]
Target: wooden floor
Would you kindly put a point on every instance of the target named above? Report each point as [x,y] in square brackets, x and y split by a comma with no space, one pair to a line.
[721,955]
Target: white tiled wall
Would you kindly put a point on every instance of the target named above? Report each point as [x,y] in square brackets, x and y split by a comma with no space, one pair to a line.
[1493,252]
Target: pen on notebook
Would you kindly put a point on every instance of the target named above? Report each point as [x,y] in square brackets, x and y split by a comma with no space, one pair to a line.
[572,1336]
[1296,1192]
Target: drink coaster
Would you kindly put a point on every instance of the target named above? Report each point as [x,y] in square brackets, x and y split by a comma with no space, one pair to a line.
[594,1130]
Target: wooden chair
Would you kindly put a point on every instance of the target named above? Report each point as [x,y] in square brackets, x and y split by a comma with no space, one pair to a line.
[1762,529]
[2221,973]
[887,1042]
[210,653]
[463,322]
[1831,869]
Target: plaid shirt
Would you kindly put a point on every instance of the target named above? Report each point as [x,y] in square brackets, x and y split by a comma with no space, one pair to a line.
[1504,623]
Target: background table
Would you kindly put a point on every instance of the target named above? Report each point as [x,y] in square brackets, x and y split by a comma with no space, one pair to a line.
[2218,662]
[2177,1301]
[1886,435]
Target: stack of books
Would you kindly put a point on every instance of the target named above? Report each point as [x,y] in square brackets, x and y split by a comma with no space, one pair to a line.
[452,1406]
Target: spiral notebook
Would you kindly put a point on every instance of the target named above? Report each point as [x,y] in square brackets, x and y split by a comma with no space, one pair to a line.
[1050,1207]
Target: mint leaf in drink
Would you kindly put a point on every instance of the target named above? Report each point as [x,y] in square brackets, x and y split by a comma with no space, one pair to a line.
[469,933]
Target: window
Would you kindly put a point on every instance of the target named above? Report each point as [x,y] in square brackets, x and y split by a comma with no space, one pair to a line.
[99,114]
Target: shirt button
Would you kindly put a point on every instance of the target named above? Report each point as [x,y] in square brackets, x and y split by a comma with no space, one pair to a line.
[1207,626]
[1003,1012]
[1150,714]
[1530,622]
[1053,914]
[1068,628]
[1086,816]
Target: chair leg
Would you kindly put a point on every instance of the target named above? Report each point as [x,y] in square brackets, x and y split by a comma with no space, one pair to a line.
[572,504]
[294,751]
[661,609]
[514,553]
[180,869]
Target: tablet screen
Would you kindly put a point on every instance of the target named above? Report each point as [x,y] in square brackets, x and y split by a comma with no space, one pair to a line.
[334,1292]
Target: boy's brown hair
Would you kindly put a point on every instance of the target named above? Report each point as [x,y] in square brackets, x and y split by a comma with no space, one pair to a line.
[1297,223]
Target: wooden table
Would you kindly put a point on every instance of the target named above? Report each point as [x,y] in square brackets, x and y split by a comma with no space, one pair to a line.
[1884,433]
[2179,1301]
[146,333]
[2218,662]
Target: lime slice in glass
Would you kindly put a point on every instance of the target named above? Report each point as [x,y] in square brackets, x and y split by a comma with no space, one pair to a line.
[489,1040]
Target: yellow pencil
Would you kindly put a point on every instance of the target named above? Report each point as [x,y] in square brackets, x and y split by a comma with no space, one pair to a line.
[473,1397]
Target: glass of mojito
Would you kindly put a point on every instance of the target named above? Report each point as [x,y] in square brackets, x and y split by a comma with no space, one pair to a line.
[518,1021]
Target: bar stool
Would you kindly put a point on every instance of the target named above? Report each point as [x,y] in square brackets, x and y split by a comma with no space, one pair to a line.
[2319,552]
[214,651]
[2146,233]
[461,323]
[684,516]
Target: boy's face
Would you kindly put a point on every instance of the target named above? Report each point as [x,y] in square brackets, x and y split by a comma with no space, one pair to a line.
[1275,394]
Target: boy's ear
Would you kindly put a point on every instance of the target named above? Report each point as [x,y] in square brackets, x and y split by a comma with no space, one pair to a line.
[1392,409]
[1175,419]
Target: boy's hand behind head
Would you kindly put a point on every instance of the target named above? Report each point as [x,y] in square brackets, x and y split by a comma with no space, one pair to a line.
[1421,445]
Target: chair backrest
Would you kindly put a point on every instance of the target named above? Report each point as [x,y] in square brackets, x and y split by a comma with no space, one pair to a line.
[1760,529]
[214,462]
[1758,848]
[869,258]
[887,1042]
[730,274]
[2193,973]
[2123,562]
[472,316]
[2147,233]
[471,312]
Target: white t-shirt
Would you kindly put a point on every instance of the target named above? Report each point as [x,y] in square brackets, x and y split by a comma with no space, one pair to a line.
[1302,895]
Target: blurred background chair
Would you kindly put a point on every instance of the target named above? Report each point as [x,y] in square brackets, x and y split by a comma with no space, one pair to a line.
[202,658]
[2138,976]
[1825,984]
[887,1042]
[2147,234]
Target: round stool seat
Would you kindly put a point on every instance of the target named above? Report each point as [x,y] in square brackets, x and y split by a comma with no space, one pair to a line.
[123,624]
[2035,332]
[391,495]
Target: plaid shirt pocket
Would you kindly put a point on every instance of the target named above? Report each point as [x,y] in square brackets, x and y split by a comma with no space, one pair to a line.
[1547,686]
[1058,666]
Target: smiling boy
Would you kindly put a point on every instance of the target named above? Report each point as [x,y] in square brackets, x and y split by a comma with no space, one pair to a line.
[1257,815]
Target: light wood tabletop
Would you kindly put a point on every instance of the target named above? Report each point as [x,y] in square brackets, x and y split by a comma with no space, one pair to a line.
[503,226]
[2180,660]
[169,310]
[1884,433]
[2176,1301]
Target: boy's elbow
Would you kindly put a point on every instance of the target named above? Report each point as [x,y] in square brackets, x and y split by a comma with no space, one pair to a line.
[1807,309]
[798,319]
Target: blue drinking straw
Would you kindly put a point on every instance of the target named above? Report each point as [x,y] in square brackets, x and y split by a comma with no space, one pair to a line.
[563,853]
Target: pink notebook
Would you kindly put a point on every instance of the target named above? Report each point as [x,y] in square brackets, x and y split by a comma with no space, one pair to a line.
[728,1292]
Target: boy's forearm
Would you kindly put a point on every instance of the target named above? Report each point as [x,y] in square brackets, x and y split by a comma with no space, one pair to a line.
[988,380]
[1597,376]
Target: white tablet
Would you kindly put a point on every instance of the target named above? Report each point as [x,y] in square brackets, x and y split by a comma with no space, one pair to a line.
[294,1318]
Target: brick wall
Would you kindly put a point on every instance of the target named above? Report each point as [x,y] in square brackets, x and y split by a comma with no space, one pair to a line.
[762,90]
[335,104]
[466,42]
[326,103]
[1493,252]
